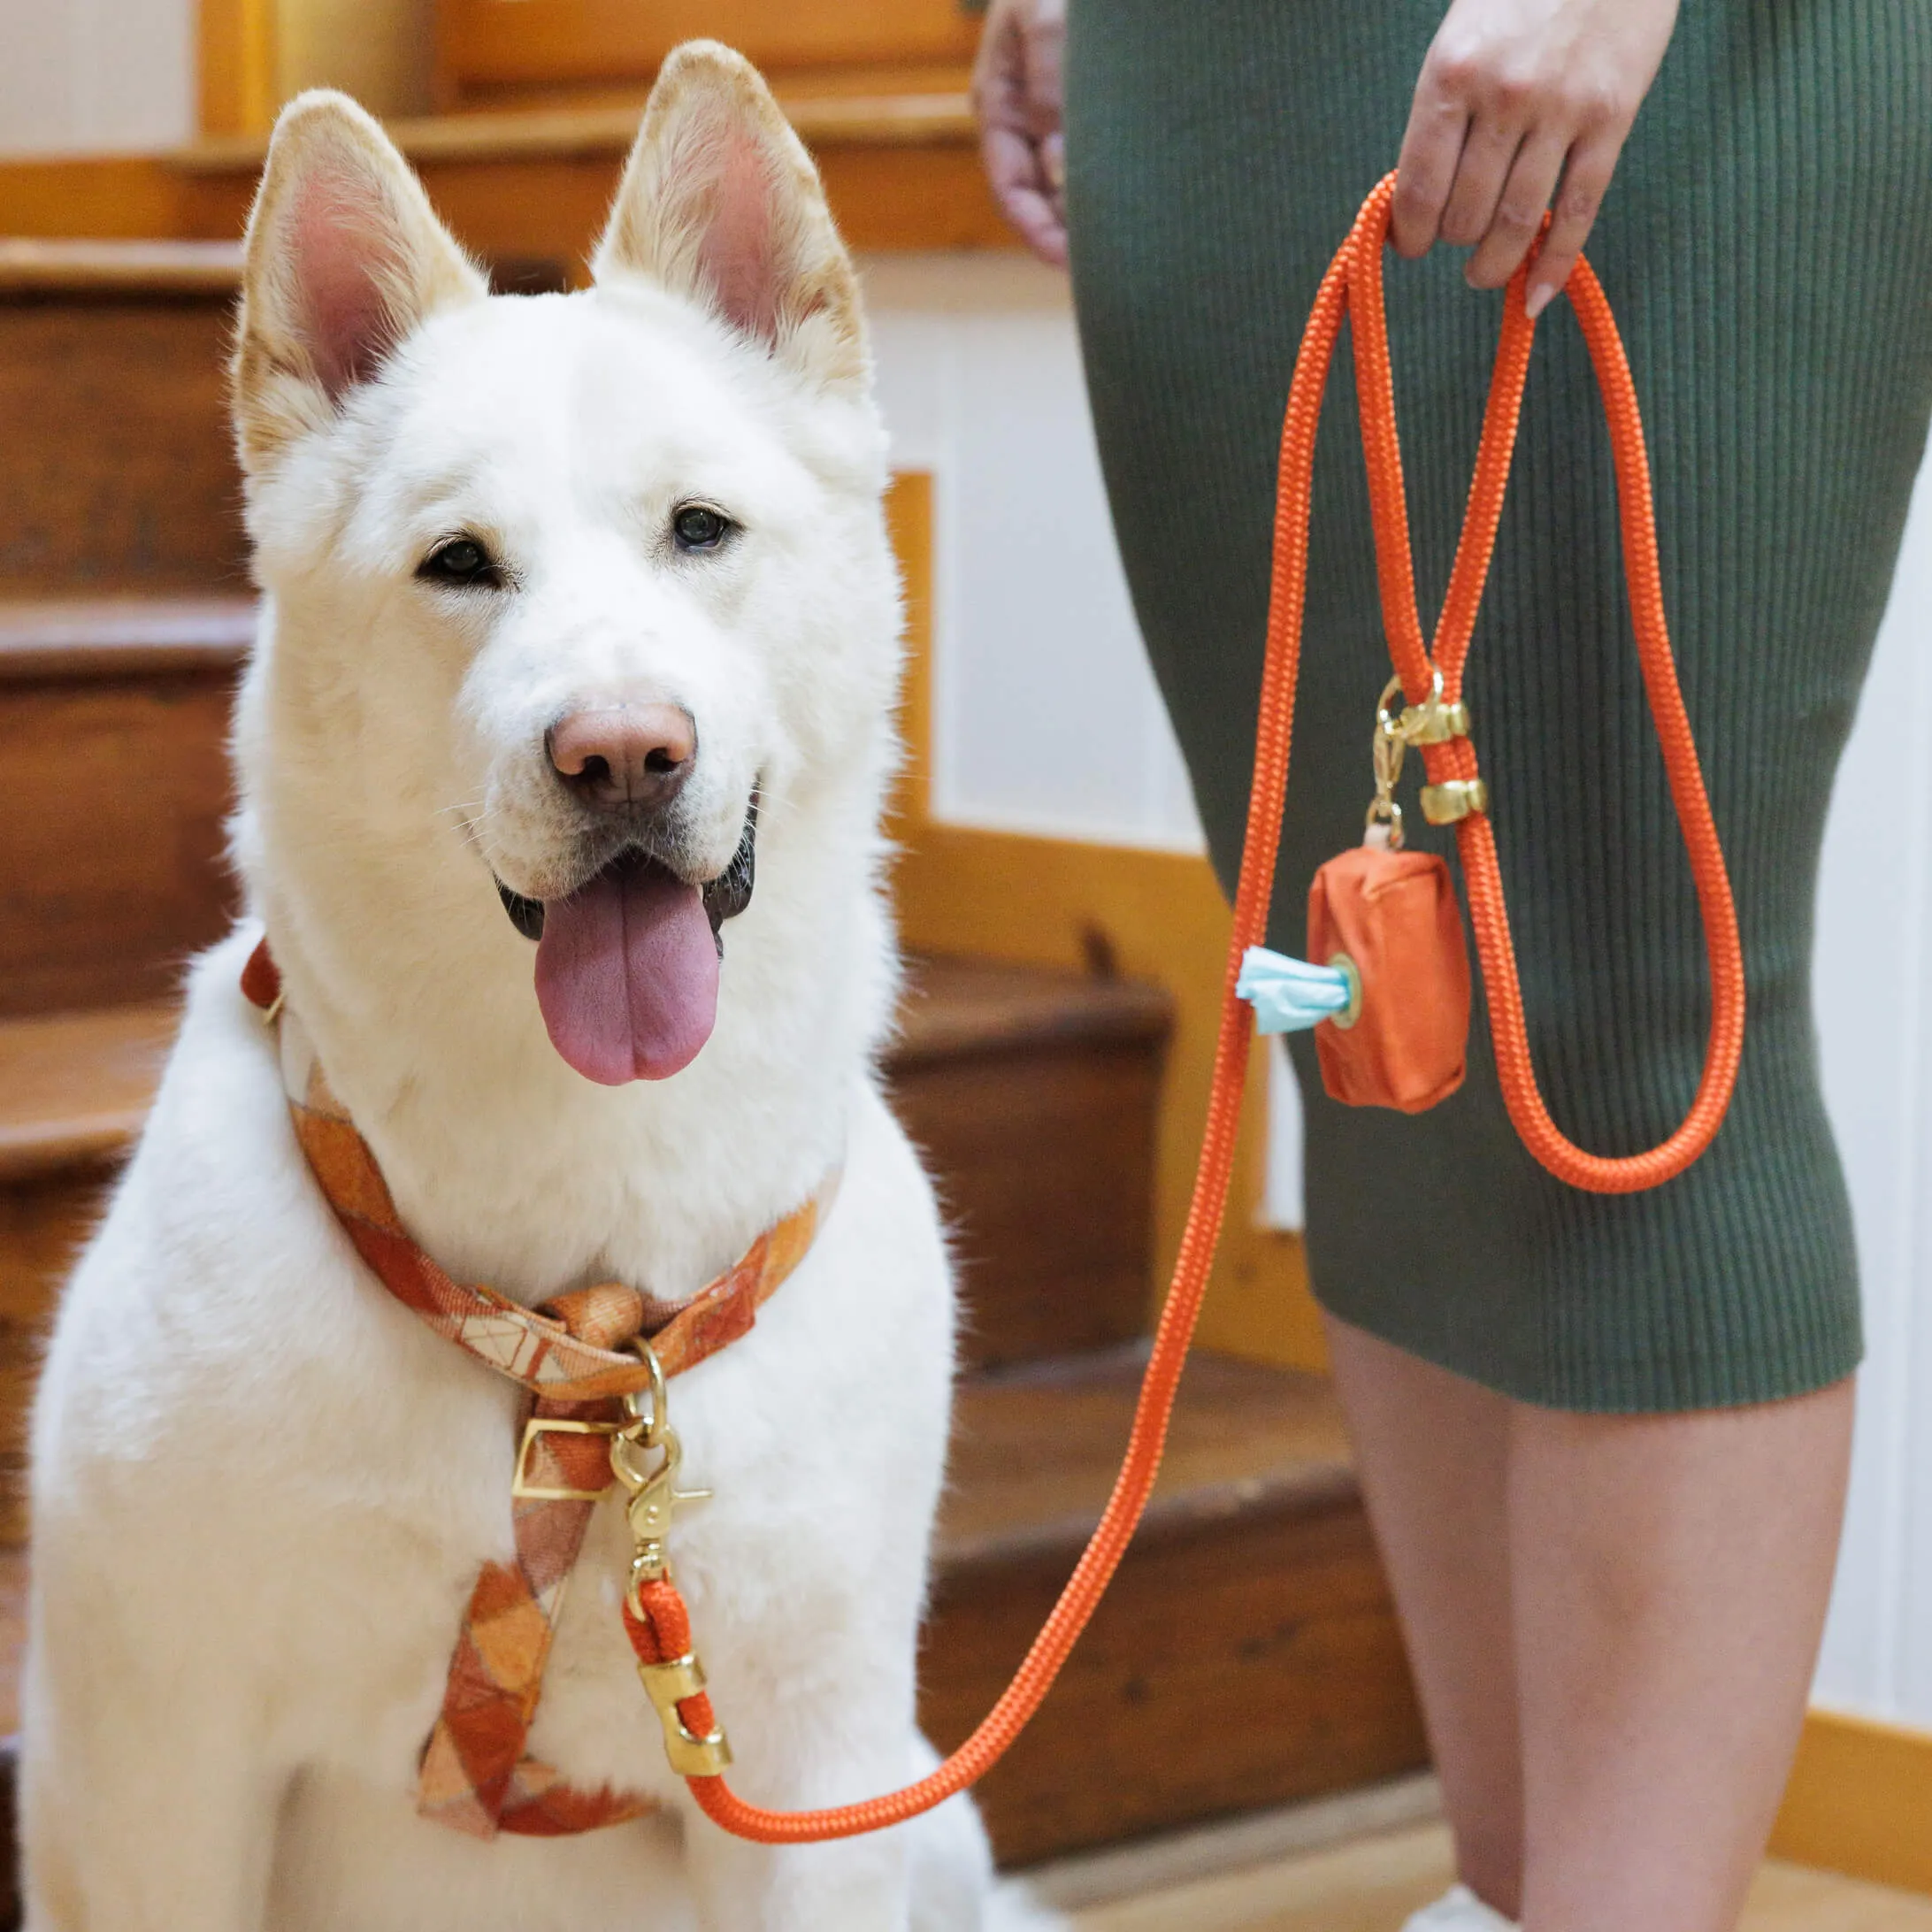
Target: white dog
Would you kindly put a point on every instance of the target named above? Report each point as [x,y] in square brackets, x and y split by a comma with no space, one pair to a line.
[565,596]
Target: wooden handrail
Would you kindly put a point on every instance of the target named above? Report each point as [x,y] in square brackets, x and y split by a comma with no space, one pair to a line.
[70,638]
[106,268]
[883,121]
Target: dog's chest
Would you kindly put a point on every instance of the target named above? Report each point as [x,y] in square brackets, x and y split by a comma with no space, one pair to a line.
[366,1659]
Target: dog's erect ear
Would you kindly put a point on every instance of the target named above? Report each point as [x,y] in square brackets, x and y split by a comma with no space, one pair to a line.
[345,256]
[720,202]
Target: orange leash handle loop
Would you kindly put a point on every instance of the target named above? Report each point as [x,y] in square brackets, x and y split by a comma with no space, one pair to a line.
[1456,759]
[1352,285]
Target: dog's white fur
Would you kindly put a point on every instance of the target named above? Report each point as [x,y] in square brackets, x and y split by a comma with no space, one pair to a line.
[262,1490]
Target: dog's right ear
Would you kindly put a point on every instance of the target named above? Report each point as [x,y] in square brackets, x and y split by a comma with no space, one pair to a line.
[720,203]
[345,256]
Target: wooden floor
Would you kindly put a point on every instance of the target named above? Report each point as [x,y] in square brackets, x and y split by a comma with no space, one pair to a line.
[1372,1884]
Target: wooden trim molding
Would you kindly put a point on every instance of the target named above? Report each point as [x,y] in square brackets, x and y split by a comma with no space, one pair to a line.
[908,520]
[75,638]
[108,271]
[901,171]
[483,45]
[238,82]
[1859,1801]
[1153,915]
[882,118]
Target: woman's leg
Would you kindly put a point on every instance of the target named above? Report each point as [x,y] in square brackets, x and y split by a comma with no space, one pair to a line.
[1433,1449]
[1670,1581]
[1637,1599]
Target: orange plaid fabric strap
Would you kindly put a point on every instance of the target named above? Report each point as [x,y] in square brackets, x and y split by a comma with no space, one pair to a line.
[572,1355]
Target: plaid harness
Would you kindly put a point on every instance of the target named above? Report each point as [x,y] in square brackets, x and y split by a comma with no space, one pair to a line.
[572,1355]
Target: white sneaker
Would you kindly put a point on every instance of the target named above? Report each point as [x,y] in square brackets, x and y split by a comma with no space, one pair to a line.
[1460,1909]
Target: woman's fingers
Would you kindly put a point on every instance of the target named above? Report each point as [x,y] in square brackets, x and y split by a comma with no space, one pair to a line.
[1488,155]
[1468,177]
[1515,95]
[1516,217]
[1041,45]
[1017,97]
[1027,197]
[1592,161]
[1426,169]
[998,102]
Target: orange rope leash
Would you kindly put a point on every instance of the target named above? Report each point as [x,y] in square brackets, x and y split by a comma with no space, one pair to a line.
[1352,286]
[1475,838]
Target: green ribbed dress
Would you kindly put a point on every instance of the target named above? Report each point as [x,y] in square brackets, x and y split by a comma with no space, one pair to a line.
[1767,248]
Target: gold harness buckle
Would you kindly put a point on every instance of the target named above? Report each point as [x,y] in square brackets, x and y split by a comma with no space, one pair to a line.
[523,1489]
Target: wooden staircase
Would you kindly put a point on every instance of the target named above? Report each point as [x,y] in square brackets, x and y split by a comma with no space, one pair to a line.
[1247,1654]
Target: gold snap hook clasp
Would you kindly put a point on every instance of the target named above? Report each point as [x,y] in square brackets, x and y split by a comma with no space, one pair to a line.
[1383,824]
[652,1486]
[1434,721]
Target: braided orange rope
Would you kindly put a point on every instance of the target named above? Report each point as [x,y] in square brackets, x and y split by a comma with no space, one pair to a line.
[1352,284]
[1476,838]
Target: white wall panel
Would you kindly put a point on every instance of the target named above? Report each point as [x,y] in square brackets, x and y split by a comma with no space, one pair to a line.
[1047,718]
[37,106]
[90,76]
[1874,953]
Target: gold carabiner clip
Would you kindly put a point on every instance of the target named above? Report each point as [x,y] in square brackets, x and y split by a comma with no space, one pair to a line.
[652,1489]
[1383,823]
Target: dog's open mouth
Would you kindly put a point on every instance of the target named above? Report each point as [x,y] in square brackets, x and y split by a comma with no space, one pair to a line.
[627,963]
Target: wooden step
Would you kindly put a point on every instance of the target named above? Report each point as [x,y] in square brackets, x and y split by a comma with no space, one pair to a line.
[1035,1098]
[113,414]
[1248,1653]
[897,149]
[73,1091]
[113,755]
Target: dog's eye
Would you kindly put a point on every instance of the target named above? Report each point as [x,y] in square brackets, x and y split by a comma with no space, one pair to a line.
[463,560]
[698,527]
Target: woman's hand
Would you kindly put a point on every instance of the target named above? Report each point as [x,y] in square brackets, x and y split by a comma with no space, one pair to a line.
[1017,97]
[1515,93]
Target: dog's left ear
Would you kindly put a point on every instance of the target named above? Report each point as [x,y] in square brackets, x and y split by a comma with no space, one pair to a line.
[721,203]
[345,257]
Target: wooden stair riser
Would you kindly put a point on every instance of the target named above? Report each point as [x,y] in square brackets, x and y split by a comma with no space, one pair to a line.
[1237,1663]
[120,474]
[111,845]
[1043,1159]
[44,1222]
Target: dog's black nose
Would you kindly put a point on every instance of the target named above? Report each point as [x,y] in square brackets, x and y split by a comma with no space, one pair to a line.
[619,755]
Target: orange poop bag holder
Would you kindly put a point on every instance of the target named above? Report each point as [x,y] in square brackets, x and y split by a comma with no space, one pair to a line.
[1392,916]
[1397,995]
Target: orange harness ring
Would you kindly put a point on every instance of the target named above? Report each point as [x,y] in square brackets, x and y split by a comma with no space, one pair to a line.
[654,1614]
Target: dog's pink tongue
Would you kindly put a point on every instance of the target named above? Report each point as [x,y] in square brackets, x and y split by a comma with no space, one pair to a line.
[627,975]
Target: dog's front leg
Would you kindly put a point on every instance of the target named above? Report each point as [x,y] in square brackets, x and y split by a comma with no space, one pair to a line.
[136,1817]
[856,1885]
[843,1736]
